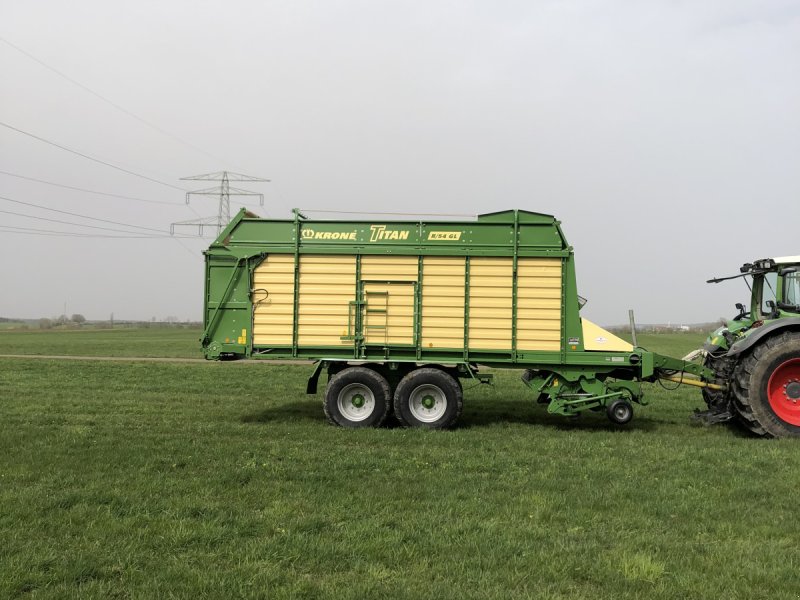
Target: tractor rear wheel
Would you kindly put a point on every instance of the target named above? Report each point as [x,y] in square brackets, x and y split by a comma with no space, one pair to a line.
[766,387]
[428,398]
[357,397]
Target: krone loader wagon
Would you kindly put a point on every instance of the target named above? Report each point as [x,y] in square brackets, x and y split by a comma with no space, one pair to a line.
[398,313]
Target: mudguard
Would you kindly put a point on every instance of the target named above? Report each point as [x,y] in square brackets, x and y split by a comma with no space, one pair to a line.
[762,332]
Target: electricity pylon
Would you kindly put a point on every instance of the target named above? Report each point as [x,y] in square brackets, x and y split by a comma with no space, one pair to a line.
[224,191]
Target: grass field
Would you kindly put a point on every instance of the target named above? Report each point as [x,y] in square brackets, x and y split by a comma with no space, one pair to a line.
[224,480]
[167,342]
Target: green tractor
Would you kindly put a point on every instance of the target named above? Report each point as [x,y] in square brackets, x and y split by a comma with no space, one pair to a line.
[756,355]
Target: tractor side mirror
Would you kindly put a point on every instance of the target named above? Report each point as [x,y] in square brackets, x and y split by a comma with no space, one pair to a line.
[773,310]
[742,313]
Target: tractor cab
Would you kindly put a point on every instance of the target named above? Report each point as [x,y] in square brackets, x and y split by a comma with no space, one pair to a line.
[774,301]
[776,288]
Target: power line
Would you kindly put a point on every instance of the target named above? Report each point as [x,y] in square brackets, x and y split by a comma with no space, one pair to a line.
[86,156]
[8,212]
[72,214]
[110,194]
[116,106]
[98,161]
[52,232]
[72,235]
[78,189]
[55,233]
[127,112]
[110,102]
[185,247]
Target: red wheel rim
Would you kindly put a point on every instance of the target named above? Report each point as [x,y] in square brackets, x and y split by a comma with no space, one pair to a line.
[783,391]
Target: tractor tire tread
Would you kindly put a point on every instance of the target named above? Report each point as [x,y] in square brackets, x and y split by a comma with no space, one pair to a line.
[753,412]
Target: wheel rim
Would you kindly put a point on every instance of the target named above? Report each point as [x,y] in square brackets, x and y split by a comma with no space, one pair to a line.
[428,403]
[356,402]
[783,391]
[621,412]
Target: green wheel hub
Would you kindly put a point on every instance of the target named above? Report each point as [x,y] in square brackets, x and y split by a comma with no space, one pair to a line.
[357,400]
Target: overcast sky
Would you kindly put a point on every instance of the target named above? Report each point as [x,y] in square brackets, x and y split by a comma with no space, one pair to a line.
[664,135]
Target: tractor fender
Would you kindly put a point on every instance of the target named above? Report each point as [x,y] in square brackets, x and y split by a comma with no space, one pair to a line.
[762,332]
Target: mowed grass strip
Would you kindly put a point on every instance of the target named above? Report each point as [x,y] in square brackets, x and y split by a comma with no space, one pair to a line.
[192,480]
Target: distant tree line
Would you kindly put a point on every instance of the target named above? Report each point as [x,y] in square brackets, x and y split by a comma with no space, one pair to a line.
[78,321]
[62,321]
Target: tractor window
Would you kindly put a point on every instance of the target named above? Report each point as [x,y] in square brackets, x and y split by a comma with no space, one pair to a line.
[768,292]
[791,289]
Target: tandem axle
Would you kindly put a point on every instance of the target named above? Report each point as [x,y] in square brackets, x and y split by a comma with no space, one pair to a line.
[568,391]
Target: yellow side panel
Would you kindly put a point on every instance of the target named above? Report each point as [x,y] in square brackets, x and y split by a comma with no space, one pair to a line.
[442,302]
[539,304]
[389,268]
[272,316]
[597,338]
[327,285]
[389,313]
[490,302]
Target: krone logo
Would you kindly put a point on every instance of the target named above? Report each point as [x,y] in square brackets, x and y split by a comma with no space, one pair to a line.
[310,234]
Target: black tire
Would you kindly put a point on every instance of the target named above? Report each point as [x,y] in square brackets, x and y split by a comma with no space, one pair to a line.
[751,393]
[620,411]
[357,397]
[428,398]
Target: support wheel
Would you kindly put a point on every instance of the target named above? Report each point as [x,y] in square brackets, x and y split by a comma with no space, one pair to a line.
[428,398]
[620,411]
[766,387]
[357,397]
